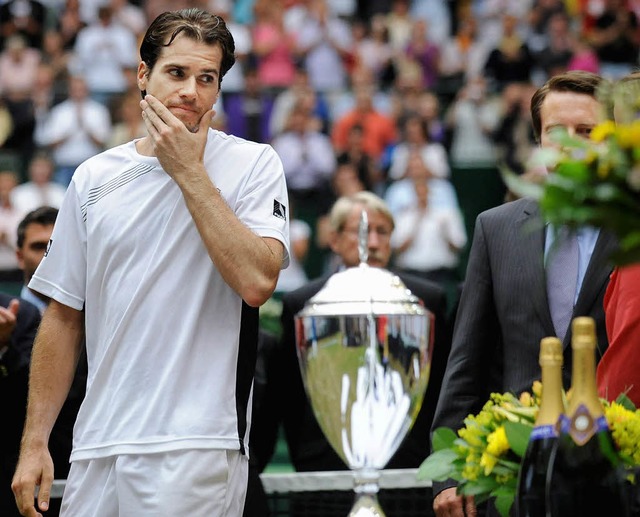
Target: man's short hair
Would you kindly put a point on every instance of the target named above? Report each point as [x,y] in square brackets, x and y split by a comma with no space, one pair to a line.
[44,215]
[342,208]
[575,81]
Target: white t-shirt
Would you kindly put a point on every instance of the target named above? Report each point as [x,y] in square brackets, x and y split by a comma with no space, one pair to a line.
[433,231]
[168,369]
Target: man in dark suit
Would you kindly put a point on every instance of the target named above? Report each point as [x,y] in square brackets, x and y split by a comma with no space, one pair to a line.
[19,322]
[504,308]
[308,448]
[33,235]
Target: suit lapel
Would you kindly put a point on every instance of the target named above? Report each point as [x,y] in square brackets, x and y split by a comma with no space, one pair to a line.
[532,231]
[597,274]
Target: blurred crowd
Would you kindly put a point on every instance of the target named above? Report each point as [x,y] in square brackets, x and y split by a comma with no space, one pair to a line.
[418,101]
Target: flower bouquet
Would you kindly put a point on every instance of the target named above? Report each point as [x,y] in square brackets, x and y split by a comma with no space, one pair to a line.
[484,456]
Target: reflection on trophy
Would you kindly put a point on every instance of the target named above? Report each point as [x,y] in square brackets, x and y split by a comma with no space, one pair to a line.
[364,345]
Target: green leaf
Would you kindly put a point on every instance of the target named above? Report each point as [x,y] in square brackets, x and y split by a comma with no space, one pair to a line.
[482,485]
[443,438]
[625,402]
[504,503]
[518,436]
[439,466]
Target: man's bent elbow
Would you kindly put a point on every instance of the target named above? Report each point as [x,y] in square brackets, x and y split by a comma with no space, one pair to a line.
[257,293]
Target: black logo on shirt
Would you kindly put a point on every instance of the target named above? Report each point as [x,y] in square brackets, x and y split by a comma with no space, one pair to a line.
[279,210]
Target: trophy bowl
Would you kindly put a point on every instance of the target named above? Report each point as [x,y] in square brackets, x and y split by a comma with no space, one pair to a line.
[364,345]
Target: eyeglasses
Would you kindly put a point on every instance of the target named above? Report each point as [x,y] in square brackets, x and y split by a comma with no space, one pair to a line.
[382,232]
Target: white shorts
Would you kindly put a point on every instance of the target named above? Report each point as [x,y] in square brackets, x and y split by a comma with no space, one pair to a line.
[197,483]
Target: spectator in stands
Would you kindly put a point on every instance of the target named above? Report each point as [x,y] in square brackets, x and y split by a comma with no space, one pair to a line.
[25,17]
[539,20]
[129,15]
[401,195]
[371,49]
[428,107]
[510,60]
[345,182]
[127,123]
[471,119]
[554,56]
[18,71]
[427,241]
[307,157]
[40,190]
[345,102]
[18,67]
[399,24]
[74,130]
[461,58]
[513,135]
[273,47]
[233,86]
[103,51]
[424,52]
[250,113]
[615,36]
[369,174]
[415,137]
[323,42]
[299,91]
[70,23]
[379,130]
[437,14]
[10,217]
[57,58]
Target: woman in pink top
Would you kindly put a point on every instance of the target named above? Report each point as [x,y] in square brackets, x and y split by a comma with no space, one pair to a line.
[272,46]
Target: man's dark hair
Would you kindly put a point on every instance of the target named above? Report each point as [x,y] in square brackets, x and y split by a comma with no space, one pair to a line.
[574,81]
[44,215]
[193,23]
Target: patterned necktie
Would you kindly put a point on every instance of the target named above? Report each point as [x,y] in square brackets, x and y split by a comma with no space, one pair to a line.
[562,278]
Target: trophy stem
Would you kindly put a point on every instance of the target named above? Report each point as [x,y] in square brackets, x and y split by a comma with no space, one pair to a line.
[366,490]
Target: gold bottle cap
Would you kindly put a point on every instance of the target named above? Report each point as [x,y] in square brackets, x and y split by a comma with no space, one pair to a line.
[584,332]
[551,351]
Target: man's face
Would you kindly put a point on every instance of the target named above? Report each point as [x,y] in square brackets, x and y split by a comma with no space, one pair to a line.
[36,239]
[185,79]
[345,242]
[578,113]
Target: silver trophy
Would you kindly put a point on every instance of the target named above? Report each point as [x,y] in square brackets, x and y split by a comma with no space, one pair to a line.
[364,345]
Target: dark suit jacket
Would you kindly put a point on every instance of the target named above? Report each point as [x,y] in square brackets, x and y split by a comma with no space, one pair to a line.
[504,312]
[14,377]
[308,449]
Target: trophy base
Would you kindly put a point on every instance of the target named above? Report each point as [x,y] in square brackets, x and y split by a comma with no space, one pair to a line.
[366,505]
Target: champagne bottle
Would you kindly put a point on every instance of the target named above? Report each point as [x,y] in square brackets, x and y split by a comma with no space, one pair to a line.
[583,479]
[530,497]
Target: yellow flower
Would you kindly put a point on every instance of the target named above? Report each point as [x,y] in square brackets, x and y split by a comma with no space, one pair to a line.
[497,445]
[526,399]
[497,442]
[488,461]
[472,435]
[625,429]
[628,135]
[603,130]
[471,471]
